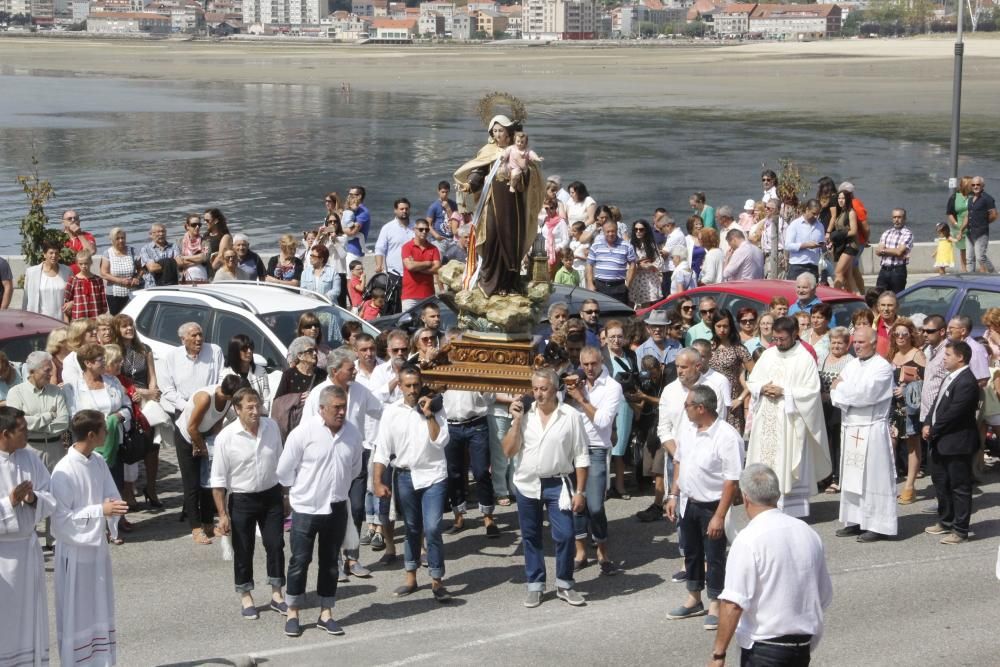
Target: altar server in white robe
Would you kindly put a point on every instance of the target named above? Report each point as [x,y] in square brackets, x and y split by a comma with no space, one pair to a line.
[789,433]
[87,505]
[863,392]
[24,501]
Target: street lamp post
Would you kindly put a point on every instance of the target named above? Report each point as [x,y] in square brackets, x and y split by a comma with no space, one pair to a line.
[956,101]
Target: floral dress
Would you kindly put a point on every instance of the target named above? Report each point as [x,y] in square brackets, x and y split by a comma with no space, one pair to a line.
[729,360]
[646,282]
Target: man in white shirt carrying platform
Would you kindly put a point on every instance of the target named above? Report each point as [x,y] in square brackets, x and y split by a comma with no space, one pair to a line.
[322,456]
[245,466]
[707,467]
[777,584]
[415,432]
[549,441]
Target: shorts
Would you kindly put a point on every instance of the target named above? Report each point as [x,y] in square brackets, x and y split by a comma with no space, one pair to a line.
[653,464]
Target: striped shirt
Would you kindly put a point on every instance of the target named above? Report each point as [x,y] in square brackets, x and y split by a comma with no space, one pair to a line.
[611,262]
[895,238]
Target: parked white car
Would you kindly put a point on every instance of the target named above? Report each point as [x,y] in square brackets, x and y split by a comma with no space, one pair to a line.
[267,313]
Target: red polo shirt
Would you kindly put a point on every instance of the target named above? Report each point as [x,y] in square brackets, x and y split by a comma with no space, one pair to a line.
[418,285]
[76,245]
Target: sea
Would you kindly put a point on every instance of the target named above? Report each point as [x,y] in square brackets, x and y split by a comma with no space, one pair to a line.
[130,152]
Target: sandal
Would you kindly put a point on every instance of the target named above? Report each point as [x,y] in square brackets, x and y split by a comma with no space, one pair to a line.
[200,537]
[832,489]
[503,501]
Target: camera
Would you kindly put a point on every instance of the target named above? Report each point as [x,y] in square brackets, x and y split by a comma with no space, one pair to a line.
[570,379]
[632,382]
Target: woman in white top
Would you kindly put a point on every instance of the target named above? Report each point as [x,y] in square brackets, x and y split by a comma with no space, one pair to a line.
[118,268]
[711,266]
[332,236]
[682,278]
[581,205]
[79,333]
[45,285]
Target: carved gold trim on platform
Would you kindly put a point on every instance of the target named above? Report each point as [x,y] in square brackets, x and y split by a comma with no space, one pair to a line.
[484,365]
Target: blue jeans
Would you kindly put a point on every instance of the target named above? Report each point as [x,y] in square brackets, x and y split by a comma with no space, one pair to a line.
[377,509]
[529,514]
[422,510]
[594,517]
[330,529]
[502,468]
[473,437]
[699,549]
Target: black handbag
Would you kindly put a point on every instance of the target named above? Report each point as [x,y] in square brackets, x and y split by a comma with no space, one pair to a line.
[135,443]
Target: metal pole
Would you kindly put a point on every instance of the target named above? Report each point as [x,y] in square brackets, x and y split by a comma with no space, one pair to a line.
[956,100]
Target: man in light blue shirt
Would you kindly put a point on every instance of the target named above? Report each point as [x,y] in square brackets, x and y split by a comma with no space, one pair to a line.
[804,242]
[392,236]
[659,345]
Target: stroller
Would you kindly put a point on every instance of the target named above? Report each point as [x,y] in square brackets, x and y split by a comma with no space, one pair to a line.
[392,285]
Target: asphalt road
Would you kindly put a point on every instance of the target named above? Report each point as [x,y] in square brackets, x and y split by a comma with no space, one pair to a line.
[905,601]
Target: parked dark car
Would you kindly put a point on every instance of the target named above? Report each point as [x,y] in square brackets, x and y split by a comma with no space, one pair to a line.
[22,332]
[573,296]
[970,294]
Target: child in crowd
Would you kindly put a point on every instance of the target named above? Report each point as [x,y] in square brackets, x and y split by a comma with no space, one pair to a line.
[517,157]
[372,308]
[567,275]
[579,248]
[84,295]
[779,306]
[356,283]
[944,258]
[805,322]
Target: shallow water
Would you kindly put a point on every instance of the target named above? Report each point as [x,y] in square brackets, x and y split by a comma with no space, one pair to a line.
[128,152]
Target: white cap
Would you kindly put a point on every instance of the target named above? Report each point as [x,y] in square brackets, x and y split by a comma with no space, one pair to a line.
[846,186]
[748,206]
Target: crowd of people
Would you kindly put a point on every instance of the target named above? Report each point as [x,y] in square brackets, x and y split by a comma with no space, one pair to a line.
[714,407]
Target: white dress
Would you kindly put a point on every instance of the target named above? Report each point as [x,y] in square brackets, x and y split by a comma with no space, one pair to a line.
[85,603]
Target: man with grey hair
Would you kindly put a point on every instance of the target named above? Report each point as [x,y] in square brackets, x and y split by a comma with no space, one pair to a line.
[321,458]
[744,261]
[724,219]
[249,265]
[189,367]
[158,254]
[674,239]
[384,382]
[863,391]
[982,213]
[558,315]
[805,238]
[805,293]
[777,583]
[707,466]
[44,407]
[549,441]
[361,406]
[458,251]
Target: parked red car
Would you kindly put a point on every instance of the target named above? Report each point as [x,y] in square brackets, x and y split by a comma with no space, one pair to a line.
[757,294]
[22,333]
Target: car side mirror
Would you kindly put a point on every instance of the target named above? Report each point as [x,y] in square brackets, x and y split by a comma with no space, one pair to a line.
[405,320]
[266,364]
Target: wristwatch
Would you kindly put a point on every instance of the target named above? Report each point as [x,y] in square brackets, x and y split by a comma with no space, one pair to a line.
[719,656]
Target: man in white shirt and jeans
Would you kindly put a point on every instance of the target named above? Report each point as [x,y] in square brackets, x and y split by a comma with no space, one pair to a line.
[598,399]
[245,466]
[550,442]
[414,436]
[707,466]
[322,456]
[777,584]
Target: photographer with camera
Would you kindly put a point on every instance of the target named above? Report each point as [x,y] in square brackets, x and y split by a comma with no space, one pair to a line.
[643,394]
[597,398]
[415,432]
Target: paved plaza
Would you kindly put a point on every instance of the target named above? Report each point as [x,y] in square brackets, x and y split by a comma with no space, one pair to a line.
[906,601]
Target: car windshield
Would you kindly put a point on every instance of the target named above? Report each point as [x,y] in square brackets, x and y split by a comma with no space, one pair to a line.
[285,324]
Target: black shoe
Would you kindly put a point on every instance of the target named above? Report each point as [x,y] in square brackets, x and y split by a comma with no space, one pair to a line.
[493,530]
[292,628]
[848,531]
[679,577]
[650,514]
[870,536]
[579,564]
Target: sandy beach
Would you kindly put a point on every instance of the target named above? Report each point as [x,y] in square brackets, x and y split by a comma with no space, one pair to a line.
[844,77]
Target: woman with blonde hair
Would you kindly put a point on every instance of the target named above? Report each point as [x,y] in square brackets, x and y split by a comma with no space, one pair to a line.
[285,268]
[79,333]
[55,345]
[908,362]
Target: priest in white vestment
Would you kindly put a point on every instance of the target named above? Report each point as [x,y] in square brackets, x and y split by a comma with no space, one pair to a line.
[24,501]
[789,433]
[87,506]
[863,392]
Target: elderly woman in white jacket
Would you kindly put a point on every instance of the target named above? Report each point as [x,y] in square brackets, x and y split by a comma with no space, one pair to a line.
[45,285]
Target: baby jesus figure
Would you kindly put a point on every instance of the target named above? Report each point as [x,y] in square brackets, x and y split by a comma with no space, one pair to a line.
[516,159]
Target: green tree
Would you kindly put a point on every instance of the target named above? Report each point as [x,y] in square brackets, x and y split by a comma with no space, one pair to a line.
[852,26]
[695,28]
[648,29]
[34,226]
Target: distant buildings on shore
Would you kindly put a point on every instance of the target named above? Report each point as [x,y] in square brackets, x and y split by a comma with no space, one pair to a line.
[387,21]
